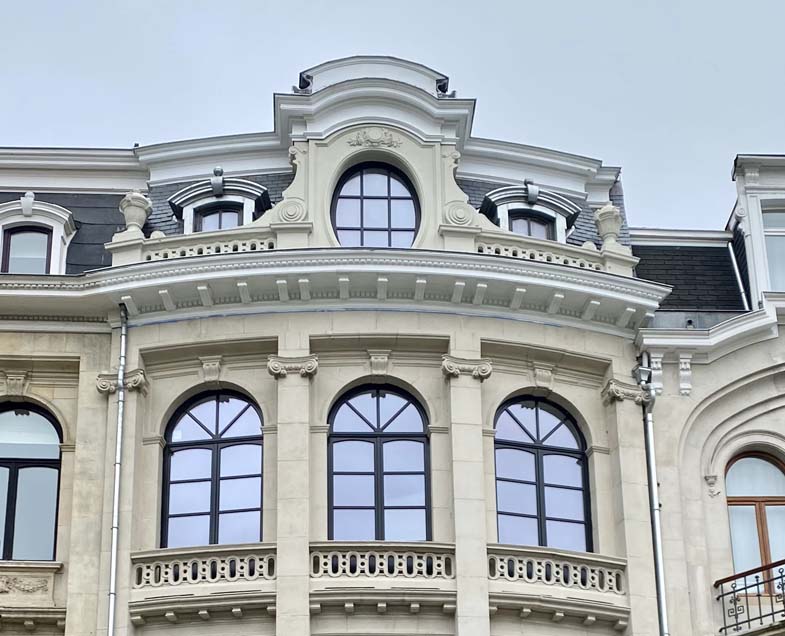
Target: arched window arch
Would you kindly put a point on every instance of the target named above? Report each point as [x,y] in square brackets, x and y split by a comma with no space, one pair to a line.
[755,488]
[213,472]
[542,493]
[375,205]
[379,464]
[29,482]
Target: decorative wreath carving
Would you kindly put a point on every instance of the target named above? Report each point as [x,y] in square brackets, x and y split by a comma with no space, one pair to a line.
[375,137]
[10,584]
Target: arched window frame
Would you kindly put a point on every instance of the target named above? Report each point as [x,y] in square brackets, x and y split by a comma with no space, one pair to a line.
[362,228]
[8,237]
[215,445]
[222,208]
[539,450]
[14,465]
[758,502]
[378,439]
[529,215]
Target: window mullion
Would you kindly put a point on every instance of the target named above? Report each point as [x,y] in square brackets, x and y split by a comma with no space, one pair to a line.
[214,494]
[10,515]
[378,487]
[538,475]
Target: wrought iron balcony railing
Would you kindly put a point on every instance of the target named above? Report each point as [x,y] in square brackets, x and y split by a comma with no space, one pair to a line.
[752,600]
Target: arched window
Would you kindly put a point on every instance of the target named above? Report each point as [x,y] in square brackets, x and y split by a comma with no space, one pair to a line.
[213,472]
[755,487]
[378,464]
[210,218]
[527,223]
[375,205]
[542,493]
[27,249]
[29,479]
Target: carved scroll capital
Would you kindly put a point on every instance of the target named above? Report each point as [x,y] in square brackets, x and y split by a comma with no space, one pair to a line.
[135,380]
[480,369]
[280,367]
[615,391]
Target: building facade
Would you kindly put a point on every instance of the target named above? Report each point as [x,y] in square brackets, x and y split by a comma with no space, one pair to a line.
[370,374]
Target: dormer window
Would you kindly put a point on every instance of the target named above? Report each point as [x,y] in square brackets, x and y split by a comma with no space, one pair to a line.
[525,223]
[27,249]
[217,217]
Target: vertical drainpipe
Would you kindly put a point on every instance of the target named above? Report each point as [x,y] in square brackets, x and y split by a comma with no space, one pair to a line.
[118,456]
[644,378]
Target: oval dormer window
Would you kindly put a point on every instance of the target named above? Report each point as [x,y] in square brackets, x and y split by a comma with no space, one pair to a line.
[375,205]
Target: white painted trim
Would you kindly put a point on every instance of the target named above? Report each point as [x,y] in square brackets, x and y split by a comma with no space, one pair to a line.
[679,237]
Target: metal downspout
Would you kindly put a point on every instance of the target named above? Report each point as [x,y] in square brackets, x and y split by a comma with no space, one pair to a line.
[654,498]
[117,465]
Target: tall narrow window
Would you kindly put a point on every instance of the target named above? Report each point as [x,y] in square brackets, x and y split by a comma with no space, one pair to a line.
[213,468]
[774,230]
[378,462]
[542,494]
[29,479]
[755,487]
[27,250]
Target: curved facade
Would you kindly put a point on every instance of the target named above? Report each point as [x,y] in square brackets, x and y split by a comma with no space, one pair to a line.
[377,379]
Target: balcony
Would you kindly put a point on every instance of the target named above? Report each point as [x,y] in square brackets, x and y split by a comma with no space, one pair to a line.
[382,575]
[753,602]
[558,585]
[27,589]
[181,585]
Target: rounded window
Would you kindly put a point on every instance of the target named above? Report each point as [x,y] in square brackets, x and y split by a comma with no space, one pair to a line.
[375,205]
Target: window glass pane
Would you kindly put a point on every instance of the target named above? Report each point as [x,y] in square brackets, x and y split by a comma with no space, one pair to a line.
[244,459]
[247,425]
[365,405]
[189,497]
[26,434]
[205,413]
[374,183]
[565,535]
[548,419]
[525,413]
[353,490]
[239,527]
[774,219]
[347,213]
[404,490]
[520,226]
[375,213]
[389,405]
[346,420]
[775,520]
[513,497]
[403,457]
[3,502]
[404,525]
[507,428]
[744,537]
[354,525]
[402,239]
[538,230]
[349,238]
[517,530]
[194,463]
[402,213]
[775,251]
[187,430]
[397,187]
[754,477]
[241,493]
[408,420]
[352,186]
[514,464]
[562,437]
[563,503]
[211,221]
[376,239]
[28,252]
[36,508]
[353,457]
[563,470]
[229,219]
[228,410]
[188,531]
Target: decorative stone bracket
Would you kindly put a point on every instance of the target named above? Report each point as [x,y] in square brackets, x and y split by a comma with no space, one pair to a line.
[615,391]
[135,380]
[16,383]
[211,368]
[280,367]
[479,369]
[379,360]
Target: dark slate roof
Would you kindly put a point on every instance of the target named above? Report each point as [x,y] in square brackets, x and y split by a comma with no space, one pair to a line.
[162,218]
[584,228]
[96,217]
[702,277]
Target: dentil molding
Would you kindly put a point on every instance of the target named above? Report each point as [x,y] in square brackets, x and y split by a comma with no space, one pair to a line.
[480,369]
[280,367]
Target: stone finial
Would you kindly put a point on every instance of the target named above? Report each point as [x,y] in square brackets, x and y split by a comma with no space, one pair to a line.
[135,208]
[608,221]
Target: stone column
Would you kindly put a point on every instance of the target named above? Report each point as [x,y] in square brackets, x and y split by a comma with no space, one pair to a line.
[466,437]
[293,528]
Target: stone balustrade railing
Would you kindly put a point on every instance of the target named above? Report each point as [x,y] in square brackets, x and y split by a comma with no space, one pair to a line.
[215,564]
[529,249]
[557,568]
[383,560]
[246,239]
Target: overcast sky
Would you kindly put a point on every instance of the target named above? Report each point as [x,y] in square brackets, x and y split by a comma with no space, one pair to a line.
[670,91]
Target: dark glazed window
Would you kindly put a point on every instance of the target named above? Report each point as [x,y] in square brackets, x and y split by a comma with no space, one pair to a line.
[29,481]
[213,218]
[541,482]
[27,250]
[378,468]
[528,224]
[213,469]
[375,206]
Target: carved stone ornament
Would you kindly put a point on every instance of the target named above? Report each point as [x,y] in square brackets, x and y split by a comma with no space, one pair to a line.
[211,368]
[280,367]
[459,214]
[106,383]
[16,382]
[616,391]
[380,361]
[375,137]
[711,482]
[134,381]
[291,211]
[453,367]
[25,585]
[543,376]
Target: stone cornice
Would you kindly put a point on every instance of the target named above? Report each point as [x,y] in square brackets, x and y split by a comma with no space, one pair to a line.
[480,369]
[280,366]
